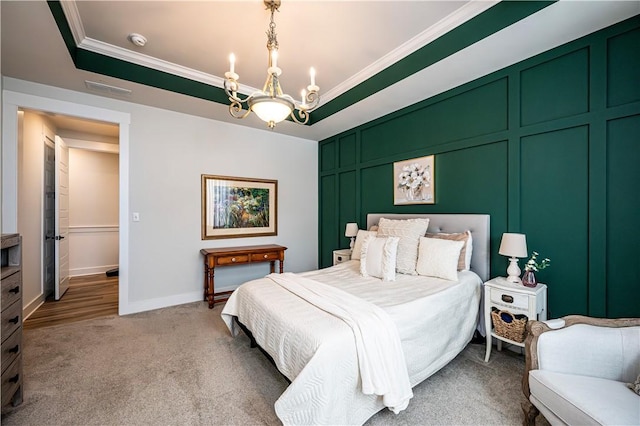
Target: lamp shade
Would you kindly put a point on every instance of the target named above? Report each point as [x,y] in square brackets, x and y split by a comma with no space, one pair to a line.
[351,230]
[513,245]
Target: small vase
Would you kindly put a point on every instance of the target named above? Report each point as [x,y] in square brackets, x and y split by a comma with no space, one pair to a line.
[529,279]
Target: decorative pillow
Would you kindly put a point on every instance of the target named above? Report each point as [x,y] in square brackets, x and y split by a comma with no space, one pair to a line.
[409,231]
[464,262]
[357,246]
[379,257]
[635,386]
[439,258]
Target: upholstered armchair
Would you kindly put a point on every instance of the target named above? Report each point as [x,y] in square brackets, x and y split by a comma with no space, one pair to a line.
[577,370]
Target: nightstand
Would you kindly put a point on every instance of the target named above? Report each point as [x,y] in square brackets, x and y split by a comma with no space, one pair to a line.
[341,255]
[515,298]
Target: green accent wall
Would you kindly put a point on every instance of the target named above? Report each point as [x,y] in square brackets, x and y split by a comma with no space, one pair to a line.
[549,147]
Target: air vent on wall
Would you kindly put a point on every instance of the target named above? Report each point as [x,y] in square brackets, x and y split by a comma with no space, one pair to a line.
[106,88]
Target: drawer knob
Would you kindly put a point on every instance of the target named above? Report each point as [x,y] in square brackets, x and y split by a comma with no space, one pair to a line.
[266,255]
[15,319]
[15,378]
[15,290]
[507,299]
[233,259]
[14,350]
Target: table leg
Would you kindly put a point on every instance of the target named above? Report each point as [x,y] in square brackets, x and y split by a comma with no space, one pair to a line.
[208,290]
[273,266]
[281,266]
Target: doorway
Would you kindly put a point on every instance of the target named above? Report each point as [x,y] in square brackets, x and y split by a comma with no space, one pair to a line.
[12,102]
[79,236]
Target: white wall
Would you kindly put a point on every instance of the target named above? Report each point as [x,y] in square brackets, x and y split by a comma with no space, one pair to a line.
[30,203]
[93,211]
[166,154]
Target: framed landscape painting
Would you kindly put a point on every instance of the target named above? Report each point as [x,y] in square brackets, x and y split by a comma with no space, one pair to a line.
[234,207]
[414,181]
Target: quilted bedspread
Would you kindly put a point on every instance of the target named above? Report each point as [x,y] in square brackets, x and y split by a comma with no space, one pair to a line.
[316,350]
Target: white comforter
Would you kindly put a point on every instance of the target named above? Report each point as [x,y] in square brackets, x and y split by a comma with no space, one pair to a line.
[435,320]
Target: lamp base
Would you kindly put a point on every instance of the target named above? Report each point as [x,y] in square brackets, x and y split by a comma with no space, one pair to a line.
[353,240]
[513,271]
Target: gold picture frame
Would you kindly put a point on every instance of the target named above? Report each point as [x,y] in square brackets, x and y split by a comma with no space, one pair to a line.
[414,181]
[236,207]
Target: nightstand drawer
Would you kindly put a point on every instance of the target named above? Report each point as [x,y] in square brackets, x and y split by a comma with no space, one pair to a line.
[342,255]
[509,299]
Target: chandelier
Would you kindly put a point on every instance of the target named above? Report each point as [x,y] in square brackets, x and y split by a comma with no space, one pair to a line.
[270,104]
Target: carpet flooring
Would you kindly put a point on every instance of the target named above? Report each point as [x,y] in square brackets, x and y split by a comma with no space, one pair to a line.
[180,366]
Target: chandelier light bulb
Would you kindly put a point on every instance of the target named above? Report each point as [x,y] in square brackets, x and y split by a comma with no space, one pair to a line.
[232,63]
[312,73]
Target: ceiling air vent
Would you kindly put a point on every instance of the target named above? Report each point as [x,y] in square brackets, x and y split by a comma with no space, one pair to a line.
[106,88]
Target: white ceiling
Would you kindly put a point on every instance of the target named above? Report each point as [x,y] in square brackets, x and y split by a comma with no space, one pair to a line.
[346,41]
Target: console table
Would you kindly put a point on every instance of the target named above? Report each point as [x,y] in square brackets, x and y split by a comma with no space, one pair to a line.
[229,256]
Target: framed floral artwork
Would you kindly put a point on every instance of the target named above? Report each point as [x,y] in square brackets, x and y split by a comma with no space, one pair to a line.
[414,181]
[235,207]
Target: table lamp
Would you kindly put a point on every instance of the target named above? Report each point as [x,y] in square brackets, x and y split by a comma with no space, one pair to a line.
[514,246]
[351,231]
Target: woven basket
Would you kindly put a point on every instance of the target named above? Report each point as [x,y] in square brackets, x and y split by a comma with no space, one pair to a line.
[515,329]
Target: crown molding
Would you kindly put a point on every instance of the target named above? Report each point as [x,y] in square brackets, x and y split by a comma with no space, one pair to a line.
[96,46]
[453,20]
[458,17]
[70,9]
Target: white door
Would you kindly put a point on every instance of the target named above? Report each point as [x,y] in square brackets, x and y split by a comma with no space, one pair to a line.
[62,218]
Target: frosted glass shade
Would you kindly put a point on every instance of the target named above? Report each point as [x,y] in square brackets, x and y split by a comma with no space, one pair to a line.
[271,109]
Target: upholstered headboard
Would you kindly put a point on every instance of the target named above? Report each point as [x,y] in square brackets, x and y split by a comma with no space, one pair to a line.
[478,224]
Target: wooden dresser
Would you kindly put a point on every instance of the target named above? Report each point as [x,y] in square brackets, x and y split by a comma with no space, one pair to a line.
[229,256]
[11,321]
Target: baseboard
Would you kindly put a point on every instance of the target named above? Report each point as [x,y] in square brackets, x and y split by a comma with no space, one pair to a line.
[160,302]
[32,306]
[93,270]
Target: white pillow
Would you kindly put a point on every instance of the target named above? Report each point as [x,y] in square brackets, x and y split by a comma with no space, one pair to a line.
[409,231]
[357,246]
[379,257]
[439,258]
[464,262]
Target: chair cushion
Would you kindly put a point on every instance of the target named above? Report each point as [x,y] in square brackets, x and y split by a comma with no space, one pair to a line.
[584,400]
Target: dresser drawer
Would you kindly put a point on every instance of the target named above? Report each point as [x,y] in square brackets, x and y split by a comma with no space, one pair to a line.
[11,288]
[257,257]
[227,260]
[11,348]
[11,319]
[11,381]
[509,299]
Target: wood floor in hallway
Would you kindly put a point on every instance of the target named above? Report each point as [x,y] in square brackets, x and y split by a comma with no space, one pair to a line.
[90,296]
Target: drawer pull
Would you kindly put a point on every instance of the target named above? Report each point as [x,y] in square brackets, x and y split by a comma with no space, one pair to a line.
[15,378]
[233,259]
[15,290]
[266,255]
[14,350]
[15,319]
[507,299]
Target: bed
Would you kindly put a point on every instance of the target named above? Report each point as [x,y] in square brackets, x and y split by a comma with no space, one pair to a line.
[318,349]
